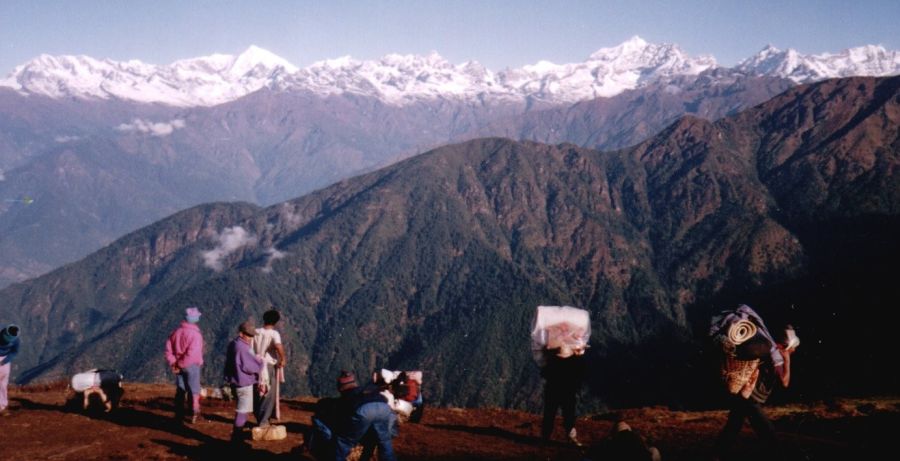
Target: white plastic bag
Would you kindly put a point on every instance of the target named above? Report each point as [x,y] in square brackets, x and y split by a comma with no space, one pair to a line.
[85,380]
[563,328]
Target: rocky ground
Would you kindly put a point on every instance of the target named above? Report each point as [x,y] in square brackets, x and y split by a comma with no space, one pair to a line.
[40,425]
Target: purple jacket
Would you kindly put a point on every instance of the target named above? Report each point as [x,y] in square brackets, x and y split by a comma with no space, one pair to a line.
[185,346]
[241,366]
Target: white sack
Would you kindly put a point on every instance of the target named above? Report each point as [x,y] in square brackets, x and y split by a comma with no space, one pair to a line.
[560,327]
[85,380]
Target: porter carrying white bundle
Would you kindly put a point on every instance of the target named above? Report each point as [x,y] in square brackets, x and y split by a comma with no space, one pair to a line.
[564,329]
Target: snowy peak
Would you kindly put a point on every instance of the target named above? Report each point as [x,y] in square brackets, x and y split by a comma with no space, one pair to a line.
[258,61]
[636,53]
[607,72]
[403,79]
[868,60]
[397,78]
[202,81]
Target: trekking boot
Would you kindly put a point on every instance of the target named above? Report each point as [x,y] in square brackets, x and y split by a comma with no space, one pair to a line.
[238,439]
[573,437]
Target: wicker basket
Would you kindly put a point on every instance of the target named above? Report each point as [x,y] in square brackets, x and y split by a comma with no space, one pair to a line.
[356,454]
[736,373]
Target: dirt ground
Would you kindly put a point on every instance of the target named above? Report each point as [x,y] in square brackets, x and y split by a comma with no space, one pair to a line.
[40,426]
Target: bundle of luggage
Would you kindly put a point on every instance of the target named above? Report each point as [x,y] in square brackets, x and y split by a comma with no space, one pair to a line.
[744,340]
[564,330]
[406,390]
[270,432]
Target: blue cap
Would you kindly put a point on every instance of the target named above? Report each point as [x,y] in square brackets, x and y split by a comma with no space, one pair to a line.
[192,314]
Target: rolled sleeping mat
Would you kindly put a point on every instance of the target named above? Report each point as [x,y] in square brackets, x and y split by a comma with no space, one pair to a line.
[741,331]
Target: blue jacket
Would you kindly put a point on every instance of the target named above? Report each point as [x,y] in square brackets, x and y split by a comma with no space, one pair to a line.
[8,350]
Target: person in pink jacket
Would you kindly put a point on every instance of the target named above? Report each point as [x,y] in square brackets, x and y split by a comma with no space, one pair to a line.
[184,352]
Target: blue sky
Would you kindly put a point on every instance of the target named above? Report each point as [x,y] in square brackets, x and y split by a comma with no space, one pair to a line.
[498,34]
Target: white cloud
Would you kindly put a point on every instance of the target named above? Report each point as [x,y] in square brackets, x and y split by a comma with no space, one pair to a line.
[2,177]
[292,220]
[66,138]
[272,255]
[155,129]
[229,240]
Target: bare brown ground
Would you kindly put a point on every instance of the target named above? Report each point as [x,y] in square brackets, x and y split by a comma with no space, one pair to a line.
[41,427]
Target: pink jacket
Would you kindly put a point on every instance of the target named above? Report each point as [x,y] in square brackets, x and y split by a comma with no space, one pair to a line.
[185,346]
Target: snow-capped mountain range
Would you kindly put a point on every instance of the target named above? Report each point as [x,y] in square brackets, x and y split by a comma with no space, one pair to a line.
[402,79]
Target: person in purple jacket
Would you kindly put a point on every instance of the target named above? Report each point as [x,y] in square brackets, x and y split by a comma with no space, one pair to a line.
[242,369]
[184,352]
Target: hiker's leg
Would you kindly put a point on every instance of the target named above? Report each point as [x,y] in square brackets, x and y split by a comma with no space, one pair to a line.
[4,384]
[257,401]
[180,392]
[264,405]
[761,425]
[383,422]
[551,404]
[567,402]
[193,384]
[244,398]
[237,430]
[369,443]
[729,434]
[267,407]
[418,409]
[359,426]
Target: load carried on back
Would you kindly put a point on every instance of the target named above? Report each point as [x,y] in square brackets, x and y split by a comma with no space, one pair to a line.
[563,330]
[743,338]
[405,387]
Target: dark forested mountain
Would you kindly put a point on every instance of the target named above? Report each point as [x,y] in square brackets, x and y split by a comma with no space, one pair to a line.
[98,169]
[438,261]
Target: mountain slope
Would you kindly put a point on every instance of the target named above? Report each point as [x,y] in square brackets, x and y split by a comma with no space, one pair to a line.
[268,147]
[438,261]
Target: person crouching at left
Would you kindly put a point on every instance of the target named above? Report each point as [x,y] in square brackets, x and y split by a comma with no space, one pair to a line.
[242,372]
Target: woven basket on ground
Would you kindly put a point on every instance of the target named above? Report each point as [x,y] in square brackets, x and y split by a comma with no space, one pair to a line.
[736,373]
[356,454]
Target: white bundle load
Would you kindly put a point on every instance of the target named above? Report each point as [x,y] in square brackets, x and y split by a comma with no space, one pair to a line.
[793,341]
[400,406]
[563,328]
[271,432]
[388,376]
[86,380]
[415,376]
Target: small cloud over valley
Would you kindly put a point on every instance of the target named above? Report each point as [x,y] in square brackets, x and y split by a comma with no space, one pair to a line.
[272,255]
[152,128]
[228,241]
